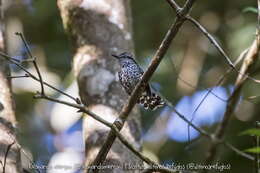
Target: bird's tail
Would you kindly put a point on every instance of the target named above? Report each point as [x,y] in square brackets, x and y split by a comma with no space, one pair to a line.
[152,101]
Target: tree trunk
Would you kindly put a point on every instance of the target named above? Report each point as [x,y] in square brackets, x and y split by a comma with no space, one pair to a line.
[97,29]
[9,152]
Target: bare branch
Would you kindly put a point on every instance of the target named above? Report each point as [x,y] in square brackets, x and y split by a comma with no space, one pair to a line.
[211,39]
[239,152]
[82,108]
[174,5]
[249,61]
[22,76]
[172,32]
[33,59]
[6,154]
[113,128]
[16,62]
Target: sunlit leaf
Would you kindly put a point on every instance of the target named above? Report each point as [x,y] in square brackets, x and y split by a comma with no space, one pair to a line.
[253,150]
[253,132]
[250,9]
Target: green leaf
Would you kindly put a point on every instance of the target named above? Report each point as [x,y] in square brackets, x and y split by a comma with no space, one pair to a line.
[250,9]
[253,132]
[253,150]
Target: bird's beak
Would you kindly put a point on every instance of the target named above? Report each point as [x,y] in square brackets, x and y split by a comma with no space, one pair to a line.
[115,56]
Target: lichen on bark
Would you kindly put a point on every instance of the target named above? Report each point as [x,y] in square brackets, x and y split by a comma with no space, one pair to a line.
[97,29]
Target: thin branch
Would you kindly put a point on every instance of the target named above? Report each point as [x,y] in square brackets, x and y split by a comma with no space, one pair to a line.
[83,109]
[249,61]
[16,62]
[108,124]
[22,76]
[174,5]
[218,47]
[211,39]
[144,80]
[239,152]
[179,77]
[113,128]
[220,81]
[33,60]
[6,154]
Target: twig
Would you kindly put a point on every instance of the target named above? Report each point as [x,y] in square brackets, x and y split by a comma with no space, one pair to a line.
[179,77]
[16,62]
[218,47]
[249,61]
[220,81]
[211,39]
[33,59]
[239,152]
[81,108]
[208,135]
[174,5]
[22,76]
[6,154]
[145,78]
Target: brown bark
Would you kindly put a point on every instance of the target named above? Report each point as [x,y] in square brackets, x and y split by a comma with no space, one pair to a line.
[97,29]
[9,152]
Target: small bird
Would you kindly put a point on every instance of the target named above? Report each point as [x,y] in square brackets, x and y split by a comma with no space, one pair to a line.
[129,75]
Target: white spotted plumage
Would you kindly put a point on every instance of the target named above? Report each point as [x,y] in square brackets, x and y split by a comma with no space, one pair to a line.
[129,75]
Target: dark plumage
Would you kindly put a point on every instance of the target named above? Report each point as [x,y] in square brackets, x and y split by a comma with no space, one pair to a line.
[129,75]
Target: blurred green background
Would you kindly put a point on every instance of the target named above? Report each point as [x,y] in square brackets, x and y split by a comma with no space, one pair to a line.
[191,57]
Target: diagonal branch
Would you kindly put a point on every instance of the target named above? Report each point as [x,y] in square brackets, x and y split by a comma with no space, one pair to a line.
[175,6]
[113,128]
[212,40]
[82,108]
[145,78]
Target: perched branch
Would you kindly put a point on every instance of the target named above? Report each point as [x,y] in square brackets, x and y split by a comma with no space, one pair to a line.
[83,109]
[113,128]
[145,78]
[217,138]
